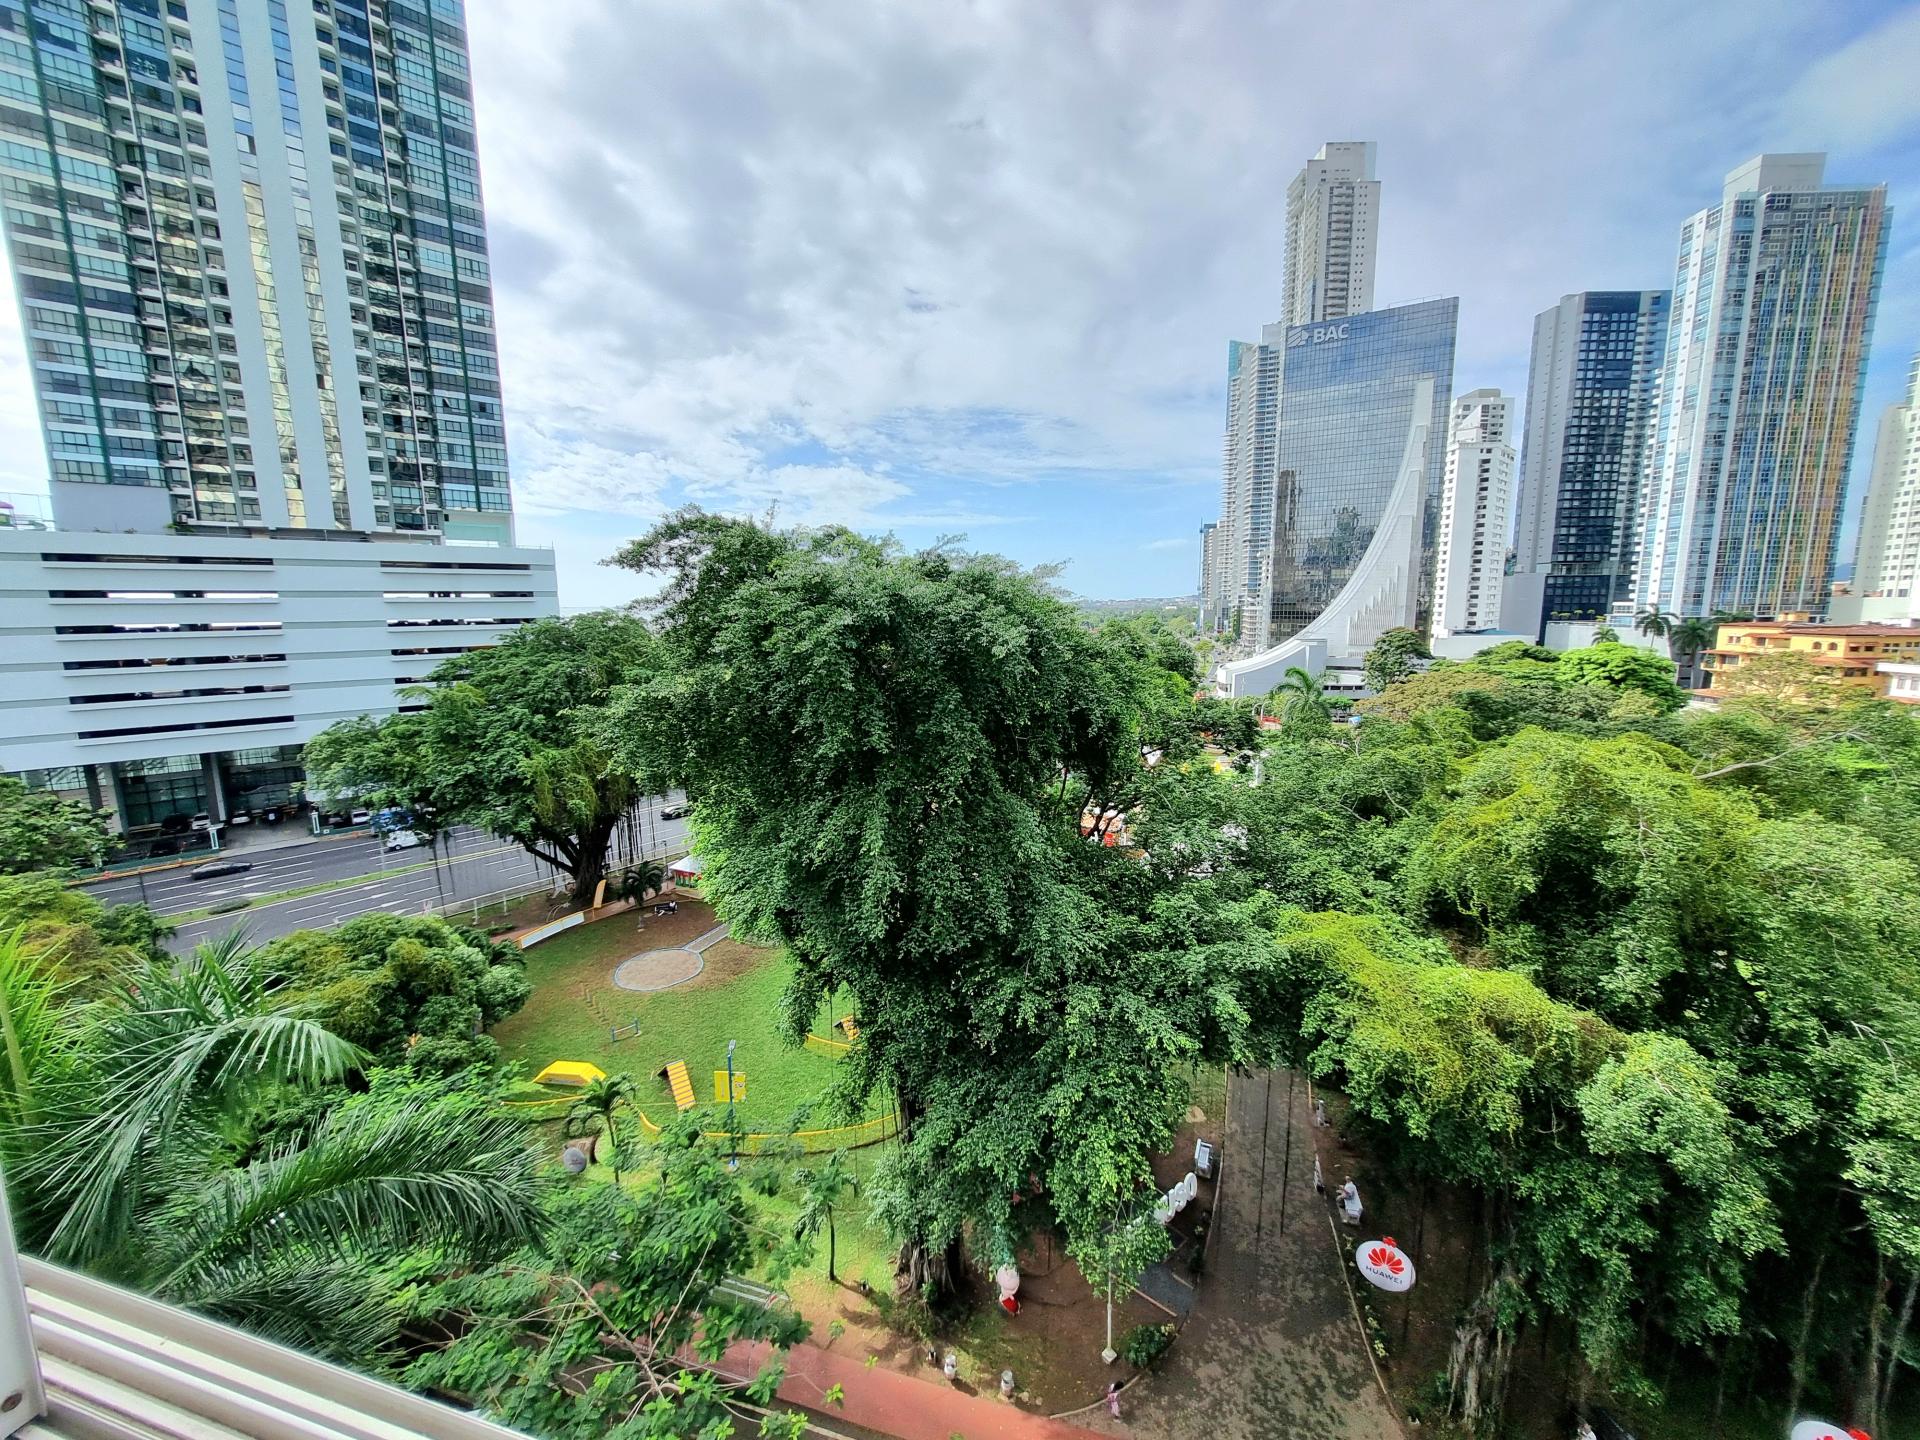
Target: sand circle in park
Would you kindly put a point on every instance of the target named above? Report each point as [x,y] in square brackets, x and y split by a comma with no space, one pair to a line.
[658,970]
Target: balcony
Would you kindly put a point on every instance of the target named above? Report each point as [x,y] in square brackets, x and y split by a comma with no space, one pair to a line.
[94,1360]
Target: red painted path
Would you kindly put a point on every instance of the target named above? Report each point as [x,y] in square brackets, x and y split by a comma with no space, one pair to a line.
[883,1399]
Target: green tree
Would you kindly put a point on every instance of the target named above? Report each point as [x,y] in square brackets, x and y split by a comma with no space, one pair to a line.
[1605,635]
[1623,667]
[1689,637]
[1392,657]
[410,990]
[593,1113]
[510,740]
[913,840]
[89,943]
[640,880]
[134,1170]
[623,1286]
[40,831]
[822,1188]
[1653,621]
[1304,708]
[34,1033]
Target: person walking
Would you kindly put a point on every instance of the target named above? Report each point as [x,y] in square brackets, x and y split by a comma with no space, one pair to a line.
[1113,1399]
[1350,1206]
[1319,1180]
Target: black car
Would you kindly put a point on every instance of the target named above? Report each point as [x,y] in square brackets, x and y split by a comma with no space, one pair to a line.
[214,869]
[165,845]
[679,810]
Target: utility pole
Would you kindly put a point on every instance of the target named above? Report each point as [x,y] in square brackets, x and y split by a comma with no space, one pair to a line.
[733,1134]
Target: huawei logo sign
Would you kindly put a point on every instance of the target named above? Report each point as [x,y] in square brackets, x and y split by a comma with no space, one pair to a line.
[1387,1259]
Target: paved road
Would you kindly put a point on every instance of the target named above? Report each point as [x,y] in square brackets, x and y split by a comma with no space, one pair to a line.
[472,863]
[1272,1348]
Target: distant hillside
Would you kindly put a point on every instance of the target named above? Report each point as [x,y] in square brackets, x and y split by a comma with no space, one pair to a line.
[1151,605]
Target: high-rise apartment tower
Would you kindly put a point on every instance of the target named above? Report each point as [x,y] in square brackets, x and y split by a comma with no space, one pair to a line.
[1333,228]
[1589,412]
[1887,563]
[1759,392]
[1476,511]
[249,249]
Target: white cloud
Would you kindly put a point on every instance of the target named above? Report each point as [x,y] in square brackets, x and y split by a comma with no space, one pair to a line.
[1863,94]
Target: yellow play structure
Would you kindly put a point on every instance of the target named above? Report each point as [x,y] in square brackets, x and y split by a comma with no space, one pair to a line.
[569,1072]
[679,1082]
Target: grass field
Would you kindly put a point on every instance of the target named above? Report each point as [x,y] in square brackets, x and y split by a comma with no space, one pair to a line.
[736,997]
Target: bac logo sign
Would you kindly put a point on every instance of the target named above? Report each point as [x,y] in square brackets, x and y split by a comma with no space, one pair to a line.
[1315,334]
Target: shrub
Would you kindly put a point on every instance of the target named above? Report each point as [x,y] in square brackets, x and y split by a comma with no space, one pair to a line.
[1145,1344]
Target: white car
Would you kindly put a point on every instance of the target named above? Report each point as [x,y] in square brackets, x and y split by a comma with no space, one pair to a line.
[404,839]
[360,817]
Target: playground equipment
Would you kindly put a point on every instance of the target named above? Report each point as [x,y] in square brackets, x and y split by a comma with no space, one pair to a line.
[570,1072]
[679,1082]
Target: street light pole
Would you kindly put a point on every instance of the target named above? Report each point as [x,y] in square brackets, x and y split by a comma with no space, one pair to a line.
[733,1139]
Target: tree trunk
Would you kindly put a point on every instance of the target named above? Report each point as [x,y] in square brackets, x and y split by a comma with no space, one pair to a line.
[1867,1391]
[1481,1359]
[1798,1365]
[1898,1344]
[830,1247]
[591,867]
[927,1272]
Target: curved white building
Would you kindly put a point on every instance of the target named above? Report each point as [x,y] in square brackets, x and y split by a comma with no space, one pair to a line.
[1359,450]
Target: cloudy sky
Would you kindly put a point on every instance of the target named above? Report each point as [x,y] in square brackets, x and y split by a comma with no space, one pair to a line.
[972,267]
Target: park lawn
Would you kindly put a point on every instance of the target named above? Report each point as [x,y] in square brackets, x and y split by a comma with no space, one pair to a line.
[736,997]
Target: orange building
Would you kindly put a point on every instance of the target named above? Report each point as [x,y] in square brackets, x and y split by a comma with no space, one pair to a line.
[1853,651]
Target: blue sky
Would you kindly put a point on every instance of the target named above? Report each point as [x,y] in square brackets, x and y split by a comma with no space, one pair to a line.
[972,267]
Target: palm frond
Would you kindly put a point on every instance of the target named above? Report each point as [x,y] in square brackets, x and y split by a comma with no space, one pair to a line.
[369,1180]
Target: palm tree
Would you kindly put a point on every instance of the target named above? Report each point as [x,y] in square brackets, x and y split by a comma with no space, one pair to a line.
[642,880]
[1653,621]
[594,1111]
[293,1245]
[34,1037]
[820,1191]
[180,1048]
[133,1172]
[1305,698]
[1689,637]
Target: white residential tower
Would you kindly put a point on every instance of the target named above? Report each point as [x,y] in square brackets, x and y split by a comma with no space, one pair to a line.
[1333,228]
[1476,512]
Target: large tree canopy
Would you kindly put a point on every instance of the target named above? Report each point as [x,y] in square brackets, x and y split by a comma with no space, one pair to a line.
[891,756]
[511,739]
[40,831]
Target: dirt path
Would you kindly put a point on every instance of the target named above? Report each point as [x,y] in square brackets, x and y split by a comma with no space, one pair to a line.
[1273,1349]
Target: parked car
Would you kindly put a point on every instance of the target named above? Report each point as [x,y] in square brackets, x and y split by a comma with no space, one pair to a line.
[404,839]
[240,817]
[360,817]
[176,824]
[215,869]
[202,823]
[393,819]
[165,845]
[679,810]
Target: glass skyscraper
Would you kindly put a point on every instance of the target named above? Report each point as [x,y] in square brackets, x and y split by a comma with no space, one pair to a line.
[1359,454]
[1759,392]
[1590,389]
[249,246]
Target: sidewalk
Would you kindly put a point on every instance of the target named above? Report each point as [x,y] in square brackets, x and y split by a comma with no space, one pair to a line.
[1273,1348]
[885,1400]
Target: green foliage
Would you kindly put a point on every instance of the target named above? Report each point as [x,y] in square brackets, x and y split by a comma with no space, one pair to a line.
[139,1166]
[1392,657]
[594,1111]
[1145,1344]
[88,943]
[408,990]
[1624,667]
[1150,640]
[912,837]
[40,831]
[510,740]
[620,1285]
